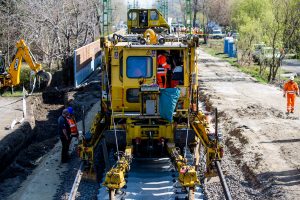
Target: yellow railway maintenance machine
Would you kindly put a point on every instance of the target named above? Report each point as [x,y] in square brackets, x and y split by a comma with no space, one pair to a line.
[139,20]
[133,104]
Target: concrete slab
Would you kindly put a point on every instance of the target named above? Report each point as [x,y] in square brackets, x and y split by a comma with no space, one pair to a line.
[11,108]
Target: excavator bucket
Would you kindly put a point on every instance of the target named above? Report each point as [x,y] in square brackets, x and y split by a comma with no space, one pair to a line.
[46,77]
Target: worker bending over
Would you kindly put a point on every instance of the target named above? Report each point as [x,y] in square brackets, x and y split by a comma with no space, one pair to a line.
[290,90]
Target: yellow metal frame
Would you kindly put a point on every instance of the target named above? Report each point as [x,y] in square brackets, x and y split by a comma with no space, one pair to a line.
[137,131]
[115,177]
[187,174]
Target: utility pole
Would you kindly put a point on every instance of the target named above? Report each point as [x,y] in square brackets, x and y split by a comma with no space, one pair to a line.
[135,4]
[163,7]
[128,5]
[106,17]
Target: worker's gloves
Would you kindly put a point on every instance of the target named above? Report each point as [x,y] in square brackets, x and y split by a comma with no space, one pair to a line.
[283,95]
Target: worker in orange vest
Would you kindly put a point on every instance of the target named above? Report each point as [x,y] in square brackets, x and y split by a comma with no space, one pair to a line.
[291,89]
[72,123]
[162,69]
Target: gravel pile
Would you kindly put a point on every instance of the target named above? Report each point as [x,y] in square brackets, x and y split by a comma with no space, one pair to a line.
[238,186]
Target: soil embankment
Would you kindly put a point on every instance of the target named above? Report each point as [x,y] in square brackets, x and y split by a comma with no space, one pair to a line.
[22,149]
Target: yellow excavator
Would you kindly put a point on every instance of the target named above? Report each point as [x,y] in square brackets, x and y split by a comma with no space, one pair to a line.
[11,77]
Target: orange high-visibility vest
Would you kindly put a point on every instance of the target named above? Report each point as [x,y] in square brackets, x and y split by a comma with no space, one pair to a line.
[73,126]
[291,87]
[162,60]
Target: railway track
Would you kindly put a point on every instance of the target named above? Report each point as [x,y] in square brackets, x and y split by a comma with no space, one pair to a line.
[148,179]
[152,178]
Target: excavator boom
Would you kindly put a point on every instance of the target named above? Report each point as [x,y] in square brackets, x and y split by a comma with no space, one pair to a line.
[23,53]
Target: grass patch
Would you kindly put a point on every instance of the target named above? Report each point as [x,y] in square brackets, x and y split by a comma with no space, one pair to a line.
[14,94]
[215,48]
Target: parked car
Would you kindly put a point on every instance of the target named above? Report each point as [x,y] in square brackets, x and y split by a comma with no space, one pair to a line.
[257,50]
[235,35]
[178,27]
[217,34]
[121,26]
[266,55]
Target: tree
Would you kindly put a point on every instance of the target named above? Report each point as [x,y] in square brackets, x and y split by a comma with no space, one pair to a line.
[282,26]
[196,8]
[275,22]
[248,17]
[220,11]
[291,32]
[9,27]
[53,29]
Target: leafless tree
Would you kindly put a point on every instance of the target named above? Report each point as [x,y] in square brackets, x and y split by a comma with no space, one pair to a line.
[53,29]
[9,26]
[220,11]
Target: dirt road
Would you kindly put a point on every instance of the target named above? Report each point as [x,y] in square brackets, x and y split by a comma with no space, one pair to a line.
[262,140]
[10,110]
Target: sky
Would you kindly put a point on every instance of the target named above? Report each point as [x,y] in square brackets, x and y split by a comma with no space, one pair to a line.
[144,3]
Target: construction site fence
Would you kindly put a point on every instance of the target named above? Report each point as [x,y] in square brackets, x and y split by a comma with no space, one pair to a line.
[86,60]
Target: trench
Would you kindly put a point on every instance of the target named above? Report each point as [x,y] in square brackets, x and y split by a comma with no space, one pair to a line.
[23,150]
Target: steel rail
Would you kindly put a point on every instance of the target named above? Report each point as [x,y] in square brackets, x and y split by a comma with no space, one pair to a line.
[76,183]
[223,181]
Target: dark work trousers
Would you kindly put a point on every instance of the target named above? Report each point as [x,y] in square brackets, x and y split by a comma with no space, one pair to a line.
[65,149]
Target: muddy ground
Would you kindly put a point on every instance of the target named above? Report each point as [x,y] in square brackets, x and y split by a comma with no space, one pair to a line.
[39,134]
[262,155]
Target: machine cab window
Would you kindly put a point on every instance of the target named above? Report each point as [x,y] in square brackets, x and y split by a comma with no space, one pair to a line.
[139,67]
[143,18]
[153,15]
[132,15]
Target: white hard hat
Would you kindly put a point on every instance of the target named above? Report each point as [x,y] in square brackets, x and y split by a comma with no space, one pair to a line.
[291,78]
